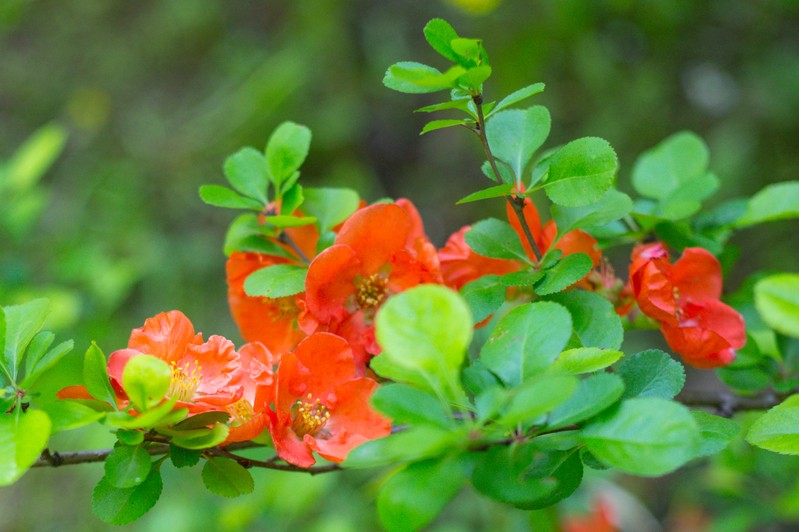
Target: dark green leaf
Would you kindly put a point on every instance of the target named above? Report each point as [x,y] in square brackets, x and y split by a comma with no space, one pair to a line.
[651,373]
[247,173]
[276,281]
[330,206]
[399,503]
[565,273]
[220,196]
[517,96]
[286,150]
[581,172]
[526,341]
[596,323]
[127,466]
[408,405]
[22,439]
[593,395]
[183,457]
[95,376]
[717,432]
[779,201]
[495,238]
[484,296]
[120,506]
[227,477]
[515,135]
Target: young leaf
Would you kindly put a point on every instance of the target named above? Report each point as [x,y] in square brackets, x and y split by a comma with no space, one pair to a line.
[593,395]
[484,296]
[651,373]
[22,439]
[515,135]
[585,360]
[283,221]
[474,78]
[120,506]
[22,322]
[226,477]
[286,150]
[526,341]
[468,51]
[146,380]
[415,78]
[581,172]
[276,281]
[516,97]
[643,436]
[441,124]
[563,274]
[777,302]
[439,34]
[330,206]
[502,473]
[408,405]
[717,432]
[95,376]
[399,504]
[219,196]
[778,429]
[246,171]
[612,205]
[127,466]
[495,238]
[443,106]
[487,193]
[779,201]
[596,323]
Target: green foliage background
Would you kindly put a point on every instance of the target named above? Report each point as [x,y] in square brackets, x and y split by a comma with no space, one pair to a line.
[154,95]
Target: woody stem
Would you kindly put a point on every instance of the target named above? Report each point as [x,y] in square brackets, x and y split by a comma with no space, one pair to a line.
[286,239]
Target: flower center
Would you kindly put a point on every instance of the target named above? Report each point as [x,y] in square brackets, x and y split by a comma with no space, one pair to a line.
[309,416]
[283,308]
[185,381]
[370,291]
[241,411]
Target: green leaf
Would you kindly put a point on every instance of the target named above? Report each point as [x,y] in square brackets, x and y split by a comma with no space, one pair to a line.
[219,196]
[95,376]
[202,438]
[127,466]
[777,302]
[581,172]
[283,221]
[717,432]
[585,360]
[661,170]
[462,105]
[36,155]
[292,196]
[246,171]
[37,347]
[183,457]
[564,273]
[286,150]
[22,439]
[612,205]
[36,364]
[202,420]
[68,415]
[427,329]
[487,193]
[503,474]
[416,443]
[469,51]
[416,78]
[778,429]
[22,322]
[505,172]
[495,238]
[474,78]
[439,34]
[651,373]
[120,506]
[146,380]
[276,281]
[643,436]
[484,296]
[226,477]
[399,503]
[515,135]
[596,323]
[330,206]
[779,201]
[517,96]
[593,395]
[408,405]
[526,341]
[441,124]
[535,397]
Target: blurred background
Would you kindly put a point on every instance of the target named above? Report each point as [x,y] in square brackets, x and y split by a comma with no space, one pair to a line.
[142,101]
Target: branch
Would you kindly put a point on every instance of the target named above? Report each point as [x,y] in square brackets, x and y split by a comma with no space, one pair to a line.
[726,404]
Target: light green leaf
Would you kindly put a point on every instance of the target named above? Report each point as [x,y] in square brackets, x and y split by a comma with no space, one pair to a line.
[285,151]
[283,221]
[779,201]
[612,205]
[495,238]
[120,506]
[487,193]
[778,429]
[593,395]
[647,437]
[246,171]
[220,196]
[22,439]
[31,160]
[227,477]
[201,438]
[505,172]
[441,124]
[416,443]
[563,274]
[399,504]
[517,96]
[515,135]
[127,466]
[717,432]
[484,296]
[146,380]
[777,302]
[95,376]
[68,415]
[585,360]
[581,172]
[596,323]
[651,373]
[474,77]
[535,397]
[408,405]
[22,322]
[276,281]
[680,159]
[439,34]
[526,341]
[36,364]
[330,206]
[416,78]
[443,106]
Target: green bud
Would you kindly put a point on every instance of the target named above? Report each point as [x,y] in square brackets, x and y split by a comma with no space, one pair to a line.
[146,381]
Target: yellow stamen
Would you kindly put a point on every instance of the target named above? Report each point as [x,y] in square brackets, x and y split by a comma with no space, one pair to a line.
[185,381]
[309,416]
[371,291]
[241,412]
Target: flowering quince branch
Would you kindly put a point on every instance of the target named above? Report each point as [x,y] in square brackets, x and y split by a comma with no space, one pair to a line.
[358,329]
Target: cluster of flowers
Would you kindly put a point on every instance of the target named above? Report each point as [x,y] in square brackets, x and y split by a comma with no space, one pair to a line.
[304,375]
[684,298]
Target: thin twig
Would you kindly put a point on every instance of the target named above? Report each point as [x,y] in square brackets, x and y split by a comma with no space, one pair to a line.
[726,404]
[286,239]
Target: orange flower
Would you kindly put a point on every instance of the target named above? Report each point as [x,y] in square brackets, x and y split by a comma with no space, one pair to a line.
[461,265]
[381,250]
[320,405]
